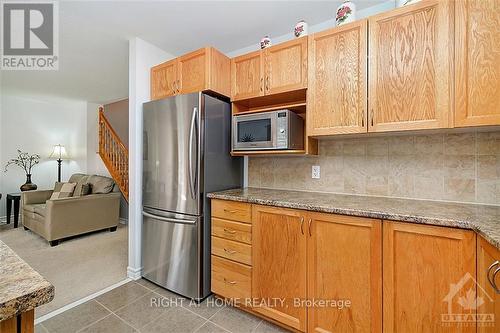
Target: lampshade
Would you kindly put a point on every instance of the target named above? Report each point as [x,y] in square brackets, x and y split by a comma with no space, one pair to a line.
[59,152]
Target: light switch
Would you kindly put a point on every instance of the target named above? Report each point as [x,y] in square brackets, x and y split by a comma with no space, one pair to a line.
[315,172]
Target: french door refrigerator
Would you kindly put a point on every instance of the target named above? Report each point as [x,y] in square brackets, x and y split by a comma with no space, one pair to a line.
[186,154]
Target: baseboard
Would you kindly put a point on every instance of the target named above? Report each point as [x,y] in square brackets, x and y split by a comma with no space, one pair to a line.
[80,301]
[134,273]
[3,219]
[123,220]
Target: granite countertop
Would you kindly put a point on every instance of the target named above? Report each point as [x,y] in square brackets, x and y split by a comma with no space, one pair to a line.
[483,219]
[21,288]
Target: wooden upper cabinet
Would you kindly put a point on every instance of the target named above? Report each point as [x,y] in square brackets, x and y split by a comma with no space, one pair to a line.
[337,80]
[279,263]
[193,68]
[200,70]
[428,273]
[488,262]
[410,67]
[286,66]
[344,258]
[477,63]
[247,76]
[163,80]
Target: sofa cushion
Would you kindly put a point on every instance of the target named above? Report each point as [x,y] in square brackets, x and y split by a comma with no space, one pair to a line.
[101,184]
[76,177]
[63,190]
[82,187]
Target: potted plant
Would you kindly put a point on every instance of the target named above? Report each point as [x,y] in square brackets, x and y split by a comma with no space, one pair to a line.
[26,162]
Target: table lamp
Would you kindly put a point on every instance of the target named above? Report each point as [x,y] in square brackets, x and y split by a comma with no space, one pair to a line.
[59,152]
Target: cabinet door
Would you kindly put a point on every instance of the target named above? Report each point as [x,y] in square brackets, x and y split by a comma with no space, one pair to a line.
[286,66]
[193,72]
[477,62]
[428,277]
[163,80]
[489,310]
[337,80]
[279,263]
[410,64]
[247,76]
[344,259]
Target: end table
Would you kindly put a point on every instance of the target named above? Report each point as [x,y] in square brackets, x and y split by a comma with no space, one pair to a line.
[16,197]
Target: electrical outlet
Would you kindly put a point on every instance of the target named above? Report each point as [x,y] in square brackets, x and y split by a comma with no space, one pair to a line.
[316,172]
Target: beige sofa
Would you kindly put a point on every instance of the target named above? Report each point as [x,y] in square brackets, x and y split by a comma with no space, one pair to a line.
[62,218]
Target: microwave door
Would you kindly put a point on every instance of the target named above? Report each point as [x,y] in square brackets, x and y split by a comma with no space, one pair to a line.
[253,132]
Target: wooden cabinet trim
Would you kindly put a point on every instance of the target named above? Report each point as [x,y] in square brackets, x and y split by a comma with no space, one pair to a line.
[441,103]
[393,293]
[485,90]
[362,113]
[302,63]
[258,89]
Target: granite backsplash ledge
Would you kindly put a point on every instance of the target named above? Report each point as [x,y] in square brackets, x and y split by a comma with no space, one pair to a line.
[460,167]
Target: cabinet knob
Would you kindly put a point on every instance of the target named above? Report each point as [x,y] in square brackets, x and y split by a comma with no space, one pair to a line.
[491,276]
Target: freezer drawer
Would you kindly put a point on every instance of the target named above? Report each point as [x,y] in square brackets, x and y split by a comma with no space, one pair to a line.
[171,252]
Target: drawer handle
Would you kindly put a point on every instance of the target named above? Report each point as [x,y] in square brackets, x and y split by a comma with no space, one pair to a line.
[491,277]
[229,251]
[229,231]
[230,211]
[229,282]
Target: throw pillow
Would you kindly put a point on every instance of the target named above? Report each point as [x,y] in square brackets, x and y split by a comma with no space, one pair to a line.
[80,184]
[63,190]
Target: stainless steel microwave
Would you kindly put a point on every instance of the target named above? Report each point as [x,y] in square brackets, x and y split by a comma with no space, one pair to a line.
[278,130]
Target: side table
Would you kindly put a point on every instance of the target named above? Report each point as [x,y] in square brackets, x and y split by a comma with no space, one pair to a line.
[16,198]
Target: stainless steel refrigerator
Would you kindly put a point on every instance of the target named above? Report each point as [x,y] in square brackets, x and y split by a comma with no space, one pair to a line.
[187,144]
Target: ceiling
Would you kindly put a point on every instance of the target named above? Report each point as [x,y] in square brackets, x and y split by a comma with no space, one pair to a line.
[93,38]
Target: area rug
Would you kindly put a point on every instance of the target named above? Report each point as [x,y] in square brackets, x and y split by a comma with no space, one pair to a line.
[77,267]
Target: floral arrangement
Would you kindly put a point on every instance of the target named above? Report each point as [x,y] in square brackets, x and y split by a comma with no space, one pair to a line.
[342,14]
[24,161]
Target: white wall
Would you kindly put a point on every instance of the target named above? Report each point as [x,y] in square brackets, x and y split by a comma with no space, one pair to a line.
[34,125]
[390,4]
[142,56]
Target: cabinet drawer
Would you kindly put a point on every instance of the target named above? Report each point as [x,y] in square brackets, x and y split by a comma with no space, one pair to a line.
[230,279]
[232,250]
[232,210]
[240,232]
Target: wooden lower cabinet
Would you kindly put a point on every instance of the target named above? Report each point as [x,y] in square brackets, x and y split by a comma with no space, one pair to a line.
[279,263]
[488,262]
[344,263]
[23,323]
[427,274]
[339,273]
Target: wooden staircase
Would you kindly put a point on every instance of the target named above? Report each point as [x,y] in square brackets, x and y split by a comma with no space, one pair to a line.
[113,153]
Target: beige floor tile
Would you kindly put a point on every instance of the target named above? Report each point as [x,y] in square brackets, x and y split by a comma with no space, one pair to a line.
[110,324]
[267,327]
[148,284]
[235,320]
[209,327]
[76,318]
[143,311]
[122,295]
[206,309]
[175,320]
[40,329]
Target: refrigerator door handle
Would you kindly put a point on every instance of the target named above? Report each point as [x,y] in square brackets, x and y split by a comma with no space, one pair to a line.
[192,184]
[168,219]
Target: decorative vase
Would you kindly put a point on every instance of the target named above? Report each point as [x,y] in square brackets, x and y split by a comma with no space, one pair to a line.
[28,186]
[265,42]
[300,29]
[346,13]
[401,3]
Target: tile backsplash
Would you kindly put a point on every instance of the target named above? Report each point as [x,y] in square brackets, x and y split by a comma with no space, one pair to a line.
[463,167]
